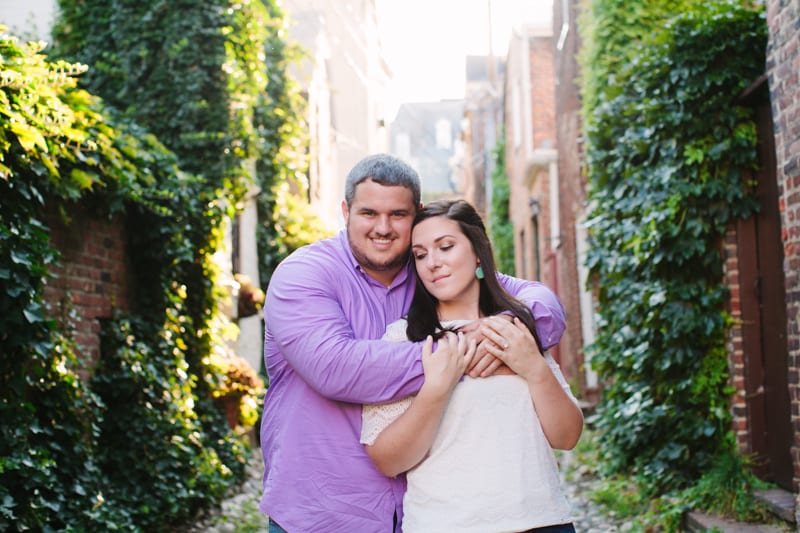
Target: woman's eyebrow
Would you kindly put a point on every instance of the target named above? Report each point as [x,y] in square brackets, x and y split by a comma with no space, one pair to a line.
[437,239]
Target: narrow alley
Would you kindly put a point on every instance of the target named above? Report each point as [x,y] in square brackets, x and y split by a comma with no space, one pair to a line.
[239,512]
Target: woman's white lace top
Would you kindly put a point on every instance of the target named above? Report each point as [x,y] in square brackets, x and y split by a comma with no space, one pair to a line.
[490,468]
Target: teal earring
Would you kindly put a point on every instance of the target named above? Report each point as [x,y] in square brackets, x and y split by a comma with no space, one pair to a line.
[479,272]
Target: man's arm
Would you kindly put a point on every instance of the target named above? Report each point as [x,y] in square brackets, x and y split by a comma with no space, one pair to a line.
[309,328]
[406,440]
[547,310]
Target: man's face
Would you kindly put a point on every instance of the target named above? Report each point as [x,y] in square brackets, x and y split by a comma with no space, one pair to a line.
[379,228]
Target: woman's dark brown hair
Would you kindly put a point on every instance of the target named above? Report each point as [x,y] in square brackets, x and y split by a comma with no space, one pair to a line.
[423,320]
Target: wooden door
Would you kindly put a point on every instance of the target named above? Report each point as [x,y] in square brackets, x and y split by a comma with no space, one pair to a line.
[763,299]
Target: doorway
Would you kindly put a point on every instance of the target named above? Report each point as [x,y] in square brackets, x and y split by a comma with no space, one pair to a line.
[763,300]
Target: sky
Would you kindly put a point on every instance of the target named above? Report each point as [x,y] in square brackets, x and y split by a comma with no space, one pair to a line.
[425,41]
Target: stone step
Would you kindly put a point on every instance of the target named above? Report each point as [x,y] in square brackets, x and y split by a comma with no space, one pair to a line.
[695,521]
[780,502]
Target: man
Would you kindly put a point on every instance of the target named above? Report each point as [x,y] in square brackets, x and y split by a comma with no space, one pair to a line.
[326,308]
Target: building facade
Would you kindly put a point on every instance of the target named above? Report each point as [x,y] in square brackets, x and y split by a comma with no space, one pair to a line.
[762,253]
[481,127]
[545,203]
[346,82]
[427,135]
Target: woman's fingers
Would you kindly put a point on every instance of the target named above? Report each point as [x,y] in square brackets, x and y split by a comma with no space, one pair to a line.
[492,368]
[427,346]
[481,362]
[470,352]
[499,331]
[462,341]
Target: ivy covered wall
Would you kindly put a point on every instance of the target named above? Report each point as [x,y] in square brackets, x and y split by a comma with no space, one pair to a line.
[182,107]
[667,147]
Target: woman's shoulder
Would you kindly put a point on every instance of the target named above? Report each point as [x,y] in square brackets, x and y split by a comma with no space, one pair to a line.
[396,331]
[456,324]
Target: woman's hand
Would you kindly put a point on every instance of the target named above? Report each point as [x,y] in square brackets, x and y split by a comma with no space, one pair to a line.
[561,418]
[445,366]
[406,441]
[484,363]
[513,344]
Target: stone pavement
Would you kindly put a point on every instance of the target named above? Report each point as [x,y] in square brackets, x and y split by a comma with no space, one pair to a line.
[239,512]
[586,514]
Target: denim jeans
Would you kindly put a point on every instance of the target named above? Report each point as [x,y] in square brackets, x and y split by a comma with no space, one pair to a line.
[561,528]
[275,528]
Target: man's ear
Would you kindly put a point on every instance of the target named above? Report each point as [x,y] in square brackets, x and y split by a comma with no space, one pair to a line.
[345,210]
[420,207]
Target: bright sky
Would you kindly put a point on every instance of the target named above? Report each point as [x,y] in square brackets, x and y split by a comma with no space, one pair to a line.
[426,41]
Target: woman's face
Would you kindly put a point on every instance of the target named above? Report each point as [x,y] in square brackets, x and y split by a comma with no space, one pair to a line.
[445,261]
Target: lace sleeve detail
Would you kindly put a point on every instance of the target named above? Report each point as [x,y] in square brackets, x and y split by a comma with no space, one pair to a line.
[377,416]
[559,376]
[396,331]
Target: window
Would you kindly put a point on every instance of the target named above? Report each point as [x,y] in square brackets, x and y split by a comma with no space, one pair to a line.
[402,146]
[444,134]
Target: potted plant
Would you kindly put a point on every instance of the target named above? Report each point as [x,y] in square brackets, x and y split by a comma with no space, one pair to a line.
[236,387]
[250,299]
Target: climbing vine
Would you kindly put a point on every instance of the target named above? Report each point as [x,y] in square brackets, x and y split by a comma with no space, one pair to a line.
[286,220]
[59,145]
[501,230]
[191,75]
[155,111]
[669,149]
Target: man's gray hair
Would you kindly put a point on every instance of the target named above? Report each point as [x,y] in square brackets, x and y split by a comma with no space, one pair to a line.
[386,170]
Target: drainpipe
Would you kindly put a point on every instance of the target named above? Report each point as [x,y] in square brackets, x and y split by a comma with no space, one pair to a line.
[537,161]
[552,258]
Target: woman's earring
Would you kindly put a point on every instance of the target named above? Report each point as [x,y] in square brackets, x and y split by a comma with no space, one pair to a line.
[479,272]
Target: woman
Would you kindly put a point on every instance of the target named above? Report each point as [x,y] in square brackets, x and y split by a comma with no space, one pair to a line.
[480,453]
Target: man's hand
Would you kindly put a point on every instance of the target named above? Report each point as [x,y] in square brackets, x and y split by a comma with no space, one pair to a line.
[484,363]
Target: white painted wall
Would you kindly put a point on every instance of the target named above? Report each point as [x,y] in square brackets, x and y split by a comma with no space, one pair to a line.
[250,343]
[28,19]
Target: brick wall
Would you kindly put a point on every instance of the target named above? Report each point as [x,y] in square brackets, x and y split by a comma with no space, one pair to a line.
[92,277]
[783,71]
[534,167]
[571,190]
[733,344]
[543,89]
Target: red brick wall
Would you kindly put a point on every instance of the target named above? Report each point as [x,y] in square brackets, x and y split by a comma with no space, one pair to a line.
[733,344]
[542,93]
[92,277]
[783,71]
[543,112]
[571,190]
[556,258]
[543,117]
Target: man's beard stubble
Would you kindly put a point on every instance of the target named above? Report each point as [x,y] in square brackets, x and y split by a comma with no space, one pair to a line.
[368,264]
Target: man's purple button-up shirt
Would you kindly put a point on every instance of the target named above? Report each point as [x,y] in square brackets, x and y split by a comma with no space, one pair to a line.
[324,318]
